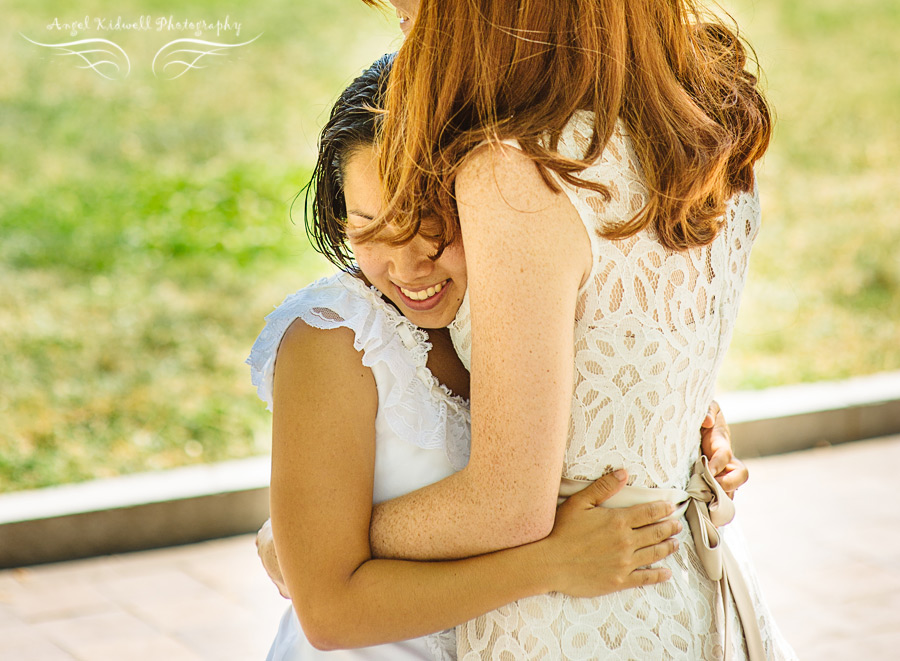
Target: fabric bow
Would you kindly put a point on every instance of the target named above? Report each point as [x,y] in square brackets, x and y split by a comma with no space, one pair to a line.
[709,508]
[706,507]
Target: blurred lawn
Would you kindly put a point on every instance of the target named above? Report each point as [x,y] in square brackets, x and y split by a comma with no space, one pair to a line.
[823,297]
[144,227]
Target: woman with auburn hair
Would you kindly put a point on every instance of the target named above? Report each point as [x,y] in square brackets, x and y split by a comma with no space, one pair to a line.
[332,351]
[596,157]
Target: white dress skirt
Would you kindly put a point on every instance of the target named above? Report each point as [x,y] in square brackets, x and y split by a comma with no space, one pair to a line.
[421,430]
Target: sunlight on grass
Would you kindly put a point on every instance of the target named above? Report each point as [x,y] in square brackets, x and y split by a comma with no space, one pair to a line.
[146,232]
[823,298]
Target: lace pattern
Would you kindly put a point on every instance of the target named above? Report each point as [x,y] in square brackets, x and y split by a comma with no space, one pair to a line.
[460,333]
[652,326]
[384,336]
[442,645]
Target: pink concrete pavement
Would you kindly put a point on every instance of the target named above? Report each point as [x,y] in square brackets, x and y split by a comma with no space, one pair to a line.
[824,526]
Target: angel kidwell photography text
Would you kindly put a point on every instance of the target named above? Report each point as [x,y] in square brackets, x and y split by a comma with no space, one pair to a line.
[99,46]
[146,23]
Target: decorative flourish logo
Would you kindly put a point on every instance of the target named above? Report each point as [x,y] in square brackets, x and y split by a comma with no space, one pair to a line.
[92,52]
[176,58]
[170,59]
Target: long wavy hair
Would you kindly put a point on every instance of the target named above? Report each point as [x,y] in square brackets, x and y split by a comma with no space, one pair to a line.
[483,70]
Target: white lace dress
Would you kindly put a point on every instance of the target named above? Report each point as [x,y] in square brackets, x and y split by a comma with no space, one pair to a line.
[652,328]
[421,430]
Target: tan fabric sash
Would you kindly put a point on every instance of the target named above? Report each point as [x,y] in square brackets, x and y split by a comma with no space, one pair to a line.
[706,507]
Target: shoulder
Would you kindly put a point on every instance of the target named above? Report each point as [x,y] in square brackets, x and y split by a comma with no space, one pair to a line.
[505,205]
[321,326]
[501,174]
[312,345]
[322,364]
[340,309]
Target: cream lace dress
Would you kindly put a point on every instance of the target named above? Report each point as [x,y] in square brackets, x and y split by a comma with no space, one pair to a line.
[652,327]
[421,430]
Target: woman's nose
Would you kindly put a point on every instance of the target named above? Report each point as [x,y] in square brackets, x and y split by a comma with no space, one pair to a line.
[411,263]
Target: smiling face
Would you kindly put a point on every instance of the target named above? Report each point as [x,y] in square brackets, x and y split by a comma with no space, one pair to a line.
[406,12]
[426,291]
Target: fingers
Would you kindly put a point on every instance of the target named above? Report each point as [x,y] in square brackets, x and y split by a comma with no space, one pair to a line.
[282,588]
[264,536]
[603,489]
[720,460]
[663,545]
[715,440]
[639,516]
[655,533]
[712,413]
[641,577]
[736,475]
[653,554]
[265,548]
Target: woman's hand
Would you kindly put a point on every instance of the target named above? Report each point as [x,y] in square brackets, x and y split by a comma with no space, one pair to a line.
[594,550]
[265,547]
[715,441]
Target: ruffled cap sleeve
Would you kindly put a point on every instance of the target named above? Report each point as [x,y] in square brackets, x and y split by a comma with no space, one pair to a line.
[416,407]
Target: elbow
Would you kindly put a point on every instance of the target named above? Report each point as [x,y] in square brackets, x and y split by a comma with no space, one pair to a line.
[531,524]
[330,612]
[523,519]
[323,643]
[322,630]
[543,522]
[323,635]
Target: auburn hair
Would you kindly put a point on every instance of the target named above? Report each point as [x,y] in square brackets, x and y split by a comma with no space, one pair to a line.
[472,71]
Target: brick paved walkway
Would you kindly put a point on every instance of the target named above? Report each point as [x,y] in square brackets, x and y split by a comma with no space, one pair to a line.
[824,527]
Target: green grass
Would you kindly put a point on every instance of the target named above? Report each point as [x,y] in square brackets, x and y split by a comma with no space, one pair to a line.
[144,227]
[146,232]
[823,298]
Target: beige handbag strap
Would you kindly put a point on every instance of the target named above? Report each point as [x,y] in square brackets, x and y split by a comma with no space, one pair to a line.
[706,507]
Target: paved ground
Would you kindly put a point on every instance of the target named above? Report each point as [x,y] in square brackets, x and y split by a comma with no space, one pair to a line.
[824,527]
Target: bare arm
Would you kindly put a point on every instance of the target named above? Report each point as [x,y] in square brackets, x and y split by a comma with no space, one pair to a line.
[527,254]
[322,476]
[730,472]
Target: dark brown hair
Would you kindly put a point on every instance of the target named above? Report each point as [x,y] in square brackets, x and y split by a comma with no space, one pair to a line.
[483,70]
[353,124]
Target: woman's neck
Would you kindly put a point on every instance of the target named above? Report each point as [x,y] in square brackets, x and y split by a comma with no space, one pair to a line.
[445,364]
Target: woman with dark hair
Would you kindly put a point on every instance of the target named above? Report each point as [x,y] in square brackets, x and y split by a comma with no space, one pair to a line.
[596,156]
[344,596]
[363,412]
